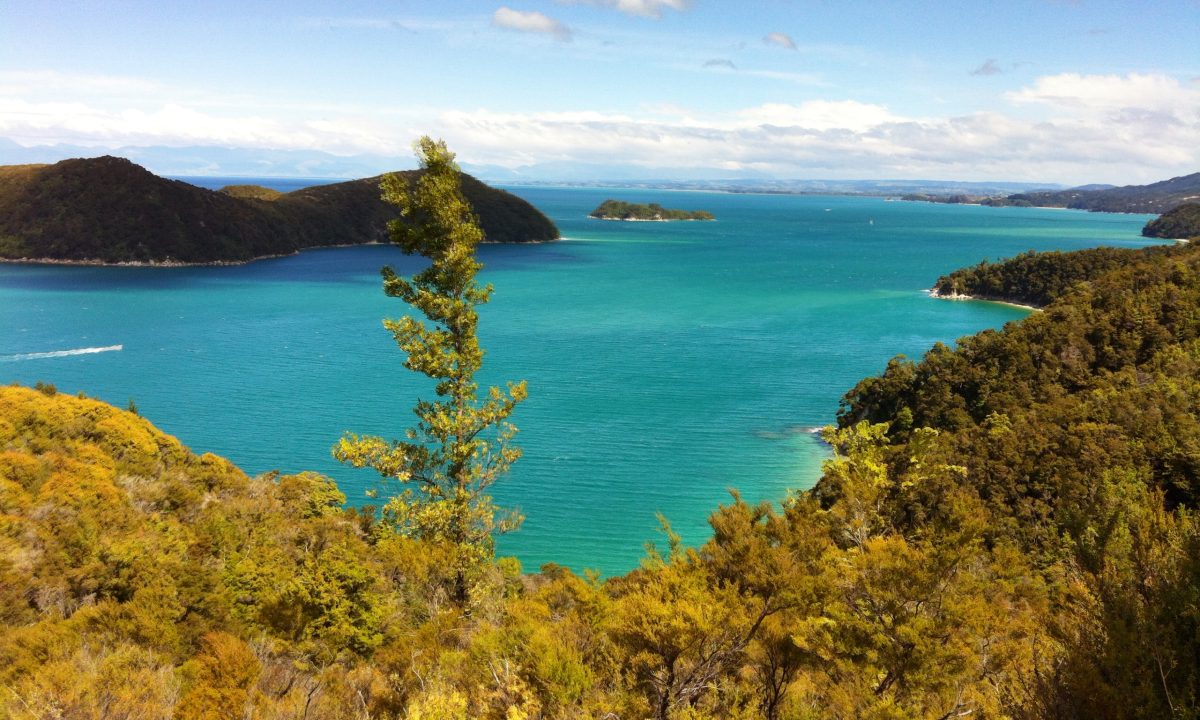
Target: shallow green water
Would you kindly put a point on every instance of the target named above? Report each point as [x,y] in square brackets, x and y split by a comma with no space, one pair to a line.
[667,362]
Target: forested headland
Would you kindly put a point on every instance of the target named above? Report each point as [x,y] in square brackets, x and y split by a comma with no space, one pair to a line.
[1038,278]
[1006,528]
[1179,223]
[110,210]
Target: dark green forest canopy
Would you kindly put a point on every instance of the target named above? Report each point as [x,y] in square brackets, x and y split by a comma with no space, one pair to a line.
[620,210]
[1182,222]
[111,210]
[1038,278]
[1119,330]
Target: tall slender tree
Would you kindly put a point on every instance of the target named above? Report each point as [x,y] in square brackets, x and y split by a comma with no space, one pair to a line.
[461,443]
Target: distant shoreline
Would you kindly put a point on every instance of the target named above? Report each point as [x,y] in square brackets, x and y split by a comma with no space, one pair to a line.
[168,264]
[620,219]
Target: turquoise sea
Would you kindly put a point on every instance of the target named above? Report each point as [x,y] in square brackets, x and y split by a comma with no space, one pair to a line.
[667,362]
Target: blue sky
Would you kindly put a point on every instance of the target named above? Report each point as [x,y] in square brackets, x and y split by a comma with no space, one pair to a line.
[1040,90]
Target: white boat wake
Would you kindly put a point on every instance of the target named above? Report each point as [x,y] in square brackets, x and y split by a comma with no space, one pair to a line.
[60,353]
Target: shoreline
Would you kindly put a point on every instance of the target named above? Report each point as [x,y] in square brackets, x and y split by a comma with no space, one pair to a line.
[168,264]
[1039,207]
[617,219]
[140,263]
[933,293]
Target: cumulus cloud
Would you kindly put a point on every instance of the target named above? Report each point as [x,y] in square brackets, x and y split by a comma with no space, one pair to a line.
[818,115]
[831,139]
[1105,136]
[531,22]
[106,111]
[1065,128]
[643,8]
[720,63]
[780,39]
[989,67]
[1075,92]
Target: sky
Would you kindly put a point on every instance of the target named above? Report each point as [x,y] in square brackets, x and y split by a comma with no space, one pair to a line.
[1062,91]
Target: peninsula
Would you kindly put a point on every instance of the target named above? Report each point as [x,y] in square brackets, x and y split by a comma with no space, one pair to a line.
[1159,197]
[1180,223]
[652,212]
[108,210]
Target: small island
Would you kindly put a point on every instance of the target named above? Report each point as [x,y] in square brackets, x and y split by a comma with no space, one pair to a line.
[653,212]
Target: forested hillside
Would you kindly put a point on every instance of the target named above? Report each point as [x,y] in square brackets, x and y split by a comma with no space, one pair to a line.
[1037,279]
[1181,223]
[1158,197]
[111,210]
[1006,529]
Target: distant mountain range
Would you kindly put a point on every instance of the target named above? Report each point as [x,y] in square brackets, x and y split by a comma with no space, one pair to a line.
[110,210]
[234,162]
[1158,197]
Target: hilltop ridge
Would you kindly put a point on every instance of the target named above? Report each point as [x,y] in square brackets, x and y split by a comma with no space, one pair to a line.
[109,210]
[1157,197]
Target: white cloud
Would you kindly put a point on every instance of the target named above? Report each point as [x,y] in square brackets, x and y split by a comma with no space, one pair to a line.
[642,8]
[82,123]
[531,22]
[49,83]
[1074,92]
[1062,128]
[818,115]
[847,138]
[780,39]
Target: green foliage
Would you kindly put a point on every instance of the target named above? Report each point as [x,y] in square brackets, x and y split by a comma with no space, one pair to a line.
[621,210]
[1180,222]
[461,445]
[1038,278]
[1077,428]
[251,192]
[222,675]
[134,575]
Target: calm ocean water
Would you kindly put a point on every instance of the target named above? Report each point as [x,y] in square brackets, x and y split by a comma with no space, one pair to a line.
[667,363]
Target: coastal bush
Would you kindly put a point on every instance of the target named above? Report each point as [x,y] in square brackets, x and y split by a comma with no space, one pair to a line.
[461,445]
[1179,223]
[621,210]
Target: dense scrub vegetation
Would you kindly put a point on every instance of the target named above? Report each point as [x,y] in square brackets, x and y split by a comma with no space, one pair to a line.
[1078,431]
[1034,278]
[1180,223]
[1006,529]
[111,210]
[621,210]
